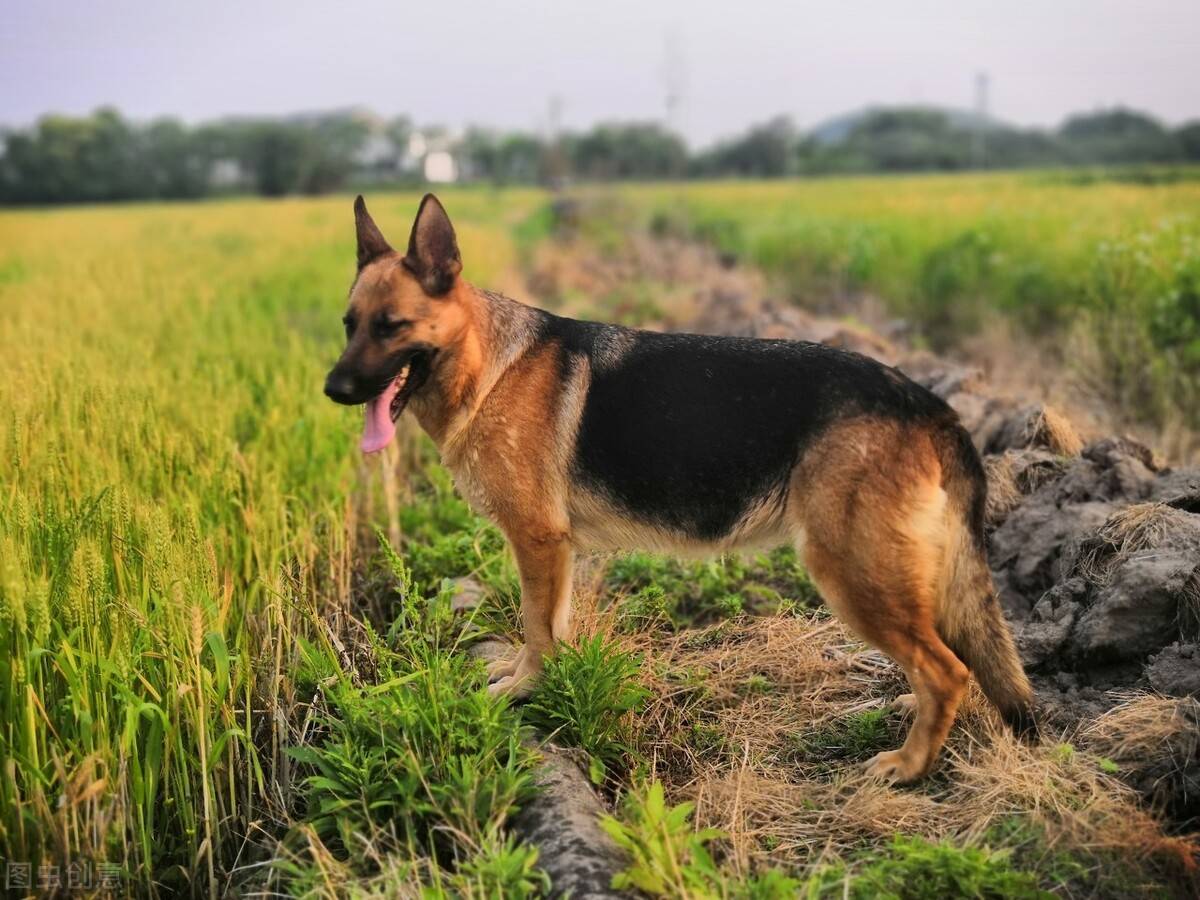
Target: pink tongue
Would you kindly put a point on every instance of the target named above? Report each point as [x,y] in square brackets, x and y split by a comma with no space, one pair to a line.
[378,428]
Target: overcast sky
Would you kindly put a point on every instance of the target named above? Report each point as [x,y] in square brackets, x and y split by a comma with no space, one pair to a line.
[498,63]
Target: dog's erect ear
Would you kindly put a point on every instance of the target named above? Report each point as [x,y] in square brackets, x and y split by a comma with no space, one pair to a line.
[371,242]
[433,249]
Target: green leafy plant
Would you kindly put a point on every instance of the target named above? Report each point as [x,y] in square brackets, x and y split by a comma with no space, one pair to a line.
[913,868]
[500,870]
[424,753]
[584,699]
[712,590]
[670,858]
[854,736]
[646,608]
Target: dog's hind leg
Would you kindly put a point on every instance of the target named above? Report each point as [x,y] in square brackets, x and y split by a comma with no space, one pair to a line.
[900,623]
[875,546]
[544,559]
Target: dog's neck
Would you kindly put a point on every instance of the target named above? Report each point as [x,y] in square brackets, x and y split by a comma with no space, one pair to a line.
[493,333]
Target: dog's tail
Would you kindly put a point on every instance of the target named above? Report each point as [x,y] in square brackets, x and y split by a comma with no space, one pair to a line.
[969,617]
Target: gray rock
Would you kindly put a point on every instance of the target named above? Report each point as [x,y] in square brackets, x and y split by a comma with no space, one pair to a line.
[1178,488]
[1108,451]
[1135,613]
[1028,547]
[563,823]
[1042,637]
[1176,671]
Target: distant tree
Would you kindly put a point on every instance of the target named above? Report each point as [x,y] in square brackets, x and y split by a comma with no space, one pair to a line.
[272,153]
[1188,138]
[175,162]
[1018,147]
[1116,136]
[520,158]
[479,153]
[65,159]
[331,146]
[765,150]
[399,132]
[626,150]
[907,140]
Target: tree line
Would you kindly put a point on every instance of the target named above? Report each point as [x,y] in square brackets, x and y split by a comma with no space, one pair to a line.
[106,157]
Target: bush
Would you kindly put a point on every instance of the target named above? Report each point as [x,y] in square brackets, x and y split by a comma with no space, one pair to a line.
[584,699]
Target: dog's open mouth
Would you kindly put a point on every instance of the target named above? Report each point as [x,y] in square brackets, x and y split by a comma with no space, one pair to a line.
[382,411]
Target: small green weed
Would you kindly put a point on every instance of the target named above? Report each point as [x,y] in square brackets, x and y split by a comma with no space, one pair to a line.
[912,868]
[853,737]
[645,609]
[669,858]
[500,870]
[709,591]
[584,699]
[1094,873]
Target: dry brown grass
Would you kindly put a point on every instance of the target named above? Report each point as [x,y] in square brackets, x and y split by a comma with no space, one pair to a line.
[1054,431]
[731,705]
[1003,495]
[1146,727]
[1015,474]
[1124,534]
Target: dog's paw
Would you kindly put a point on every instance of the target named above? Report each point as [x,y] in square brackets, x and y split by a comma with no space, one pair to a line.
[894,767]
[906,704]
[515,686]
[505,666]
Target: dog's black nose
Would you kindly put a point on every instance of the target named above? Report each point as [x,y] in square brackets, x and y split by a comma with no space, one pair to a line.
[340,388]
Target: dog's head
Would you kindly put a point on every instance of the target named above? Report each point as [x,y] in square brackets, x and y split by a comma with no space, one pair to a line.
[402,313]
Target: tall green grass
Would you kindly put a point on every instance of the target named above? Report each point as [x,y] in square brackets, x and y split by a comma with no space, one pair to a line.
[176,510]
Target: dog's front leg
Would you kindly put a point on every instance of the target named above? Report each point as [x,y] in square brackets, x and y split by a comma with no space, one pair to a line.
[544,560]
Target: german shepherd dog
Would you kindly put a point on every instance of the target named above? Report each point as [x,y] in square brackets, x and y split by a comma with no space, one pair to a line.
[582,436]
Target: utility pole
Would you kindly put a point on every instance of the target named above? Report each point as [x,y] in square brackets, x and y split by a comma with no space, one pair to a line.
[556,164]
[978,140]
[674,78]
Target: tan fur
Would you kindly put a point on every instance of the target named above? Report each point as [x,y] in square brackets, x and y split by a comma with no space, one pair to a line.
[599,525]
[876,544]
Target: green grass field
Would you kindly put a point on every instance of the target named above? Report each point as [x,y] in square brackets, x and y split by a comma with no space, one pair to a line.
[1104,270]
[176,514]
[188,694]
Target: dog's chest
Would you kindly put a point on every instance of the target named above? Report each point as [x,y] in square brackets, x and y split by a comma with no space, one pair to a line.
[468,469]
[488,465]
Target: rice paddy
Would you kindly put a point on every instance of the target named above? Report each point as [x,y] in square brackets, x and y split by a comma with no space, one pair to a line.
[212,680]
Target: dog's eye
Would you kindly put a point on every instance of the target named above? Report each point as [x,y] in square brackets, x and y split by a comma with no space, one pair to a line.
[348,321]
[389,327]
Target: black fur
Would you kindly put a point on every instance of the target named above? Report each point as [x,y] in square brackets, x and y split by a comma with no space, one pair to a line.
[433,255]
[371,242]
[686,430]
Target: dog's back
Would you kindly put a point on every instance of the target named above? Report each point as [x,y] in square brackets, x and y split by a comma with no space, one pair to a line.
[691,433]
